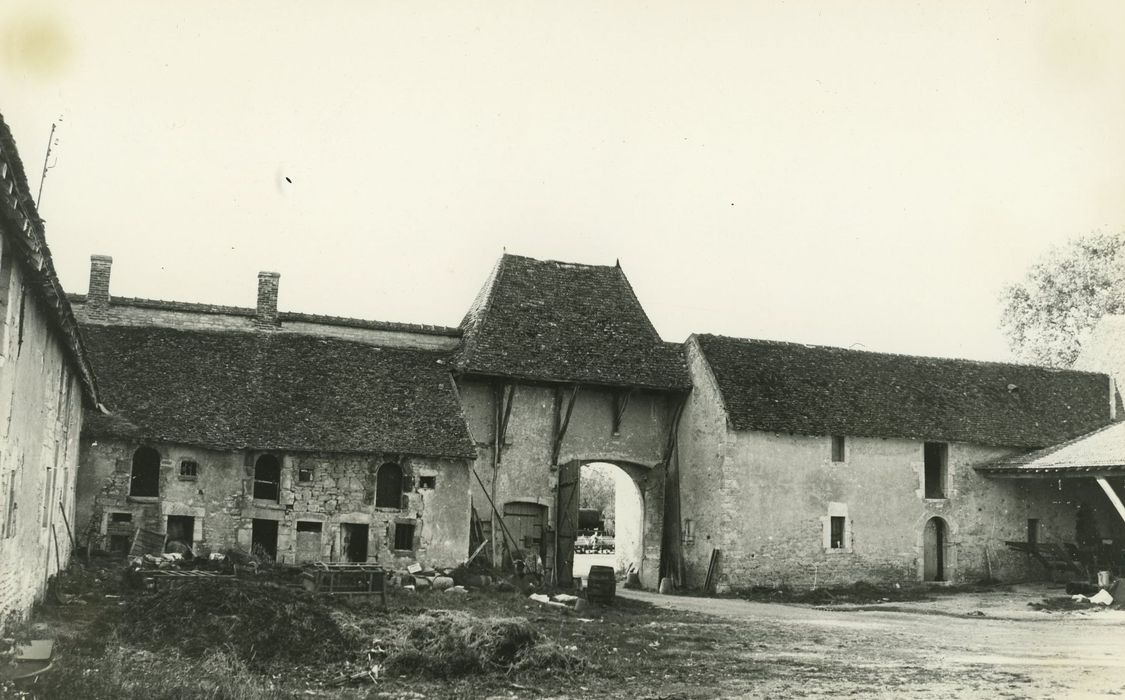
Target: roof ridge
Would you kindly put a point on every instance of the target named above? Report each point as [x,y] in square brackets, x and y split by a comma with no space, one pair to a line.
[881,353]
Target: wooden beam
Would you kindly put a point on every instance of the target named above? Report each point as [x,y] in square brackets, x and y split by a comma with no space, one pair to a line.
[507,396]
[560,433]
[620,403]
[1113,497]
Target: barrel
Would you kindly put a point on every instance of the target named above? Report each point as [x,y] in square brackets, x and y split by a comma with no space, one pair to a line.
[601,585]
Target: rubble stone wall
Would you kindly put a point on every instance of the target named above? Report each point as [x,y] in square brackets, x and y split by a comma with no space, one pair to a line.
[341,489]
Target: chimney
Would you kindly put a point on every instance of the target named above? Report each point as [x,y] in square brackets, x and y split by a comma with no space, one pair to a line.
[97,295]
[267,299]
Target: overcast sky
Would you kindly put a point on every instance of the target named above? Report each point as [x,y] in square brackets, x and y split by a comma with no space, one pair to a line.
[865,174]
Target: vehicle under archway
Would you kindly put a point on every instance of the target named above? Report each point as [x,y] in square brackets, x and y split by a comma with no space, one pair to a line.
[610,520]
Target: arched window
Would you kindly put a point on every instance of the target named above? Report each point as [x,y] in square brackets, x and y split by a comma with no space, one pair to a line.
[388,486]
[267,478]
[145,480]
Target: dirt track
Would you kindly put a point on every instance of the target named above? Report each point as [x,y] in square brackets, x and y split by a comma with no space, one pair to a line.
[917,654]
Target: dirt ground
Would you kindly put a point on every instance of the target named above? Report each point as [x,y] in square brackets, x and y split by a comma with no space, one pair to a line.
[986,643]
[964,645]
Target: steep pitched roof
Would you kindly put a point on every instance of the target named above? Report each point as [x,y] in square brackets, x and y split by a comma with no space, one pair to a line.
[274,391]
[562,322]
[814,390]
[1100,451]
[26,240]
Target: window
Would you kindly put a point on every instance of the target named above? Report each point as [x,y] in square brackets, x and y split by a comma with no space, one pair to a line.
[935,456]
[304,475]
[189,469]
[145,479]
[836,533]
[837,448]
[388,486]
[427,482]
[120,518]
[404,536]
[267,479]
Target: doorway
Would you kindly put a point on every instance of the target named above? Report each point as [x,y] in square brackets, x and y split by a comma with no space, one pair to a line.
[263,538]
[181,528]
[935,538]
[354,542]
[526,522]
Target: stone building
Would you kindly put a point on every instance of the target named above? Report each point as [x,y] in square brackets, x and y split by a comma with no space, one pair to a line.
[800,465]
[45,381]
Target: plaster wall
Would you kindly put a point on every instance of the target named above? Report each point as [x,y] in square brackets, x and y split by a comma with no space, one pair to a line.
[40,422]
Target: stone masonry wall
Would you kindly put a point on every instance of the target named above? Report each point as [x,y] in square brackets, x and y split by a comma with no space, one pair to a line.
[341,490]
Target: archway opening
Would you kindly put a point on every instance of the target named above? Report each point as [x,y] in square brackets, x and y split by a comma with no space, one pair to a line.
[145,478]
[934,542]
[610,520]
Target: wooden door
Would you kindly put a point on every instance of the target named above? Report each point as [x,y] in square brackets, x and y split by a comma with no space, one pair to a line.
[566,525]
[933,550]
[526,523]
[308,542]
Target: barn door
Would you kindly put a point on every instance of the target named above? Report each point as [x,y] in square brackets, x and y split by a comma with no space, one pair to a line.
[525,522]
[566,525]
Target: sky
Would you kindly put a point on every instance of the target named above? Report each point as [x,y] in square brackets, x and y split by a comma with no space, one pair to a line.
[860,174]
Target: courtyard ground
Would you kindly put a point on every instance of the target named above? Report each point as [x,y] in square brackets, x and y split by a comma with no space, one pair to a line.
[986,643]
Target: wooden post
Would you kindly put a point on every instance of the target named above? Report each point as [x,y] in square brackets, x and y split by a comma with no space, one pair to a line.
[1113,497]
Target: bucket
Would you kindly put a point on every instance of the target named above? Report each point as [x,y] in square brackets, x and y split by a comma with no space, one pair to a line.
[666,586]
[1103,579]
[601,585]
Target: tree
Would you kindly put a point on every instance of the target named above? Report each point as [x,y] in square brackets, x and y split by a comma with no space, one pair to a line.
[1050,313]
[598,488]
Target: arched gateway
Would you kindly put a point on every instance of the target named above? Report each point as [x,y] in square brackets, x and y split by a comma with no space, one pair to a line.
[561,367]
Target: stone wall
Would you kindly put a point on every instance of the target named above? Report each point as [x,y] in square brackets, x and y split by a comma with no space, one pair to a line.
[340,489]
[40,422]
[525,473]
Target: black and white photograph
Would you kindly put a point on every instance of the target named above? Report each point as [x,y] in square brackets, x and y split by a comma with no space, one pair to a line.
[656,350]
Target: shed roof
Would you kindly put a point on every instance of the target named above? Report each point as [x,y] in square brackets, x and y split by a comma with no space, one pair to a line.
[563,322]
[270,390]
[816,390]
[1102,450]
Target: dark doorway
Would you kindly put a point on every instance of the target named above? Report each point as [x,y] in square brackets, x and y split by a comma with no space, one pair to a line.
[388,486]
[354,542]
[181,528]
[263,538]
[145,480]
[934,541]
[308,541]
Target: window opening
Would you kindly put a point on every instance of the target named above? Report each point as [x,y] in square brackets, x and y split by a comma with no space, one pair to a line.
[189,469]
[388,486]
[181,529]
[404,536]
[145,479]
[263,538]
[837,448]
[427,482]
[836,535]
[267,478]
[936,456]
[304,475]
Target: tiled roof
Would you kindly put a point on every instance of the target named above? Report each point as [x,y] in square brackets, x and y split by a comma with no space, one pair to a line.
[23,231]
[197,308]
[814,390]
[562,322]
[1100,451]
[273,390]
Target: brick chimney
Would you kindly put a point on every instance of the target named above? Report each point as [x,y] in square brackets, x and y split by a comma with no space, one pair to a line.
[267,299]
[97,295]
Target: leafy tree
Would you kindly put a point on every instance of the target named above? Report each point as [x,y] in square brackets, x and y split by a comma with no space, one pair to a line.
[597,488]
[1049,314]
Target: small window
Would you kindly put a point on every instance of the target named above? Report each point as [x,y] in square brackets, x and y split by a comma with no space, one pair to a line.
[836,535]
[304,475]
[267,478]
[119,518]
[427,482]
[189,469]
[837,448]
[404,536]
[936,457]
[309,526]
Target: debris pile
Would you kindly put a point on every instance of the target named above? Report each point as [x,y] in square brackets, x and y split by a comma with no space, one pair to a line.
[452,643]
[262,624]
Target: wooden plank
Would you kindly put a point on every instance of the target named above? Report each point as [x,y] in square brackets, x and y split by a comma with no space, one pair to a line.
[620,403]
[710,580]
[1112,495]
[561,431]
[507,397]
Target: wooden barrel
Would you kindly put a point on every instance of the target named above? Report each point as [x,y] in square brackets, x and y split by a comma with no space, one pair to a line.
[601,585]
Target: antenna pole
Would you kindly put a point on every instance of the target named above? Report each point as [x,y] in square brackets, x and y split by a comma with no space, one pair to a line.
[46,167]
